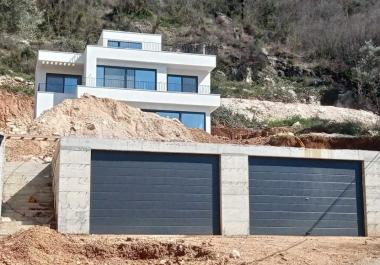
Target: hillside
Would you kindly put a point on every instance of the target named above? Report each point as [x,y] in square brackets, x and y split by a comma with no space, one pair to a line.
[289,51]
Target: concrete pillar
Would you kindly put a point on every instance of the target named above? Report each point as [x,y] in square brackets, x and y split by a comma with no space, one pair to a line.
[2,163]
[372,196]
[234,192]
[73,207]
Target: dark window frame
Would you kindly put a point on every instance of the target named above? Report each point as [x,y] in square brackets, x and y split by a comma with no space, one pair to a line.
[128,42]
[182,76]
[180,114]
[79,77]
[134,75]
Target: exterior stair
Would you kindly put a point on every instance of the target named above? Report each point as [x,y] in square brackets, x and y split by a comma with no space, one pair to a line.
[27,196]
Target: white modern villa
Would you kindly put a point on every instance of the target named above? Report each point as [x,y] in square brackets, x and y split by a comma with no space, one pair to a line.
[131,67]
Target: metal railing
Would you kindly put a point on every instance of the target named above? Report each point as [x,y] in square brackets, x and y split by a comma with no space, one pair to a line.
[124,84]
[196,48]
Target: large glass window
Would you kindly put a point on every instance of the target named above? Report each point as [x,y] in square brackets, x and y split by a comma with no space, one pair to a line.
[124,44]
[189,119]
[193,120]
[182,83]
[145,79]
[60,83]
[108,76]
[114,77]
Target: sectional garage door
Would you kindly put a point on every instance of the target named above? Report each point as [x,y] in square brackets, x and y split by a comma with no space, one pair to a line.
[305,197]
[154,193]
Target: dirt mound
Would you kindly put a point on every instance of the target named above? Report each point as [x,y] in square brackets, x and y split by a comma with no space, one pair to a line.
[107,118]
[34,246]
[16,111]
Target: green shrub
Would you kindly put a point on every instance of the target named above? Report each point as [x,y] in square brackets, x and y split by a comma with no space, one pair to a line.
[26,90]
[227,118]
[315,124]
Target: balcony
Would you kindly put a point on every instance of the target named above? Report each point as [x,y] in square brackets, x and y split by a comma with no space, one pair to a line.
[117,84]
[139,97]
[195,48]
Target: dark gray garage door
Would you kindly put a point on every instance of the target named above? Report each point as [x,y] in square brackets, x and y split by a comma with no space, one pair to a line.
[305,197]
[154,193]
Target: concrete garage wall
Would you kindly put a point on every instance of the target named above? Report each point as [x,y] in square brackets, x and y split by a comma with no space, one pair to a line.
[2,162]
[72,179]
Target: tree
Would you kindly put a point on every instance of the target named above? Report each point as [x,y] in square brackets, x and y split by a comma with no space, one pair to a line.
[367,76]
[19,17]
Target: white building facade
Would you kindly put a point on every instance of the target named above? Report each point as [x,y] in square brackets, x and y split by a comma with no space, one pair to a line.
[131,67]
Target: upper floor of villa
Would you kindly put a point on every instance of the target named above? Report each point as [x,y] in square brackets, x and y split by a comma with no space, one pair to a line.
[132,67]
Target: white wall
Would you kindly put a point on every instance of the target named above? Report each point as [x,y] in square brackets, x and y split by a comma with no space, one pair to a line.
[43,69]
[47,100]
[150,42]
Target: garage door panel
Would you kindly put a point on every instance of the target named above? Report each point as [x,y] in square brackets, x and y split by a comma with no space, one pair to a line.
[303,216]
[133,170]
[191,205]
[292,176]
[304,184]
[163,221]
[304,207]
[184,179]
[306,223]
[154,193]
[152,230]
[175,196]
[151,213]
[291,196]
[164,189]
[302,199]
[349,193]
[290,231]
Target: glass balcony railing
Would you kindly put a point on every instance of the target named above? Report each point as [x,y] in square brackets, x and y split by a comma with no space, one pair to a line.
[196,48]
[122,84]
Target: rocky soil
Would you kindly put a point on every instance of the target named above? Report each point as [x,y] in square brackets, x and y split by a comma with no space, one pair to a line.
[267,110]
[34,246]
[283,136]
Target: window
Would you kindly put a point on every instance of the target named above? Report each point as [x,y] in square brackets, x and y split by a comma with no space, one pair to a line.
[114,77]
[193,120]
[108,76]
[189,119]
[60,83]
[124,44]
[145,79]
[182,83]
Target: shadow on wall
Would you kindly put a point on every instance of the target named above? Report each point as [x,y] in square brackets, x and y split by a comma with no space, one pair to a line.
[27,192]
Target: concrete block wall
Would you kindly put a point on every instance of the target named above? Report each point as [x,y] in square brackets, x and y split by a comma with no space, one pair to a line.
[73,168]
[72,190]
[2,162]
[234,183]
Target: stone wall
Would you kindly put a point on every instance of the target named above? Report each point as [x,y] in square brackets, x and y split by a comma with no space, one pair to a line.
[72,187]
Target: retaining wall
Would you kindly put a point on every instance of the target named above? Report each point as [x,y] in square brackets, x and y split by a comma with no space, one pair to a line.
[2,162]
[72,166]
